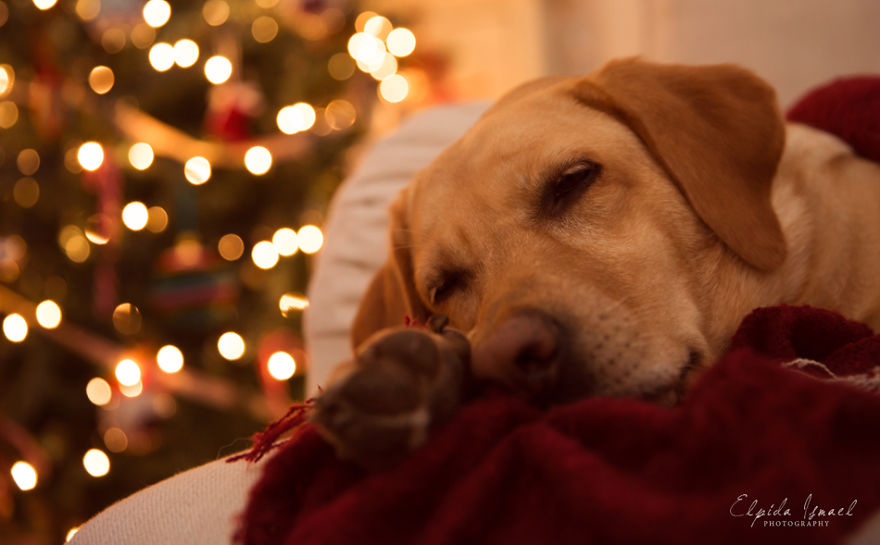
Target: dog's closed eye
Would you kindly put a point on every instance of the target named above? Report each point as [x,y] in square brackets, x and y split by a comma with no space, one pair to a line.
[567,186]
[446,283]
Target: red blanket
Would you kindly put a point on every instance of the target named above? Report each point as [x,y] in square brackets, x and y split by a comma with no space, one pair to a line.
[768,447]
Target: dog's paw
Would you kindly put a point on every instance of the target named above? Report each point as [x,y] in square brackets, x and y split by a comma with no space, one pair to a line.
[403,382]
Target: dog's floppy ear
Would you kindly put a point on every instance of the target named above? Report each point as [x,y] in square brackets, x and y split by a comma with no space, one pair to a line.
[391,295]
[718,133]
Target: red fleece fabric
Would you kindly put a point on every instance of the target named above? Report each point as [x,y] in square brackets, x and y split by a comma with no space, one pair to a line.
[615,470]
[847,107]
[619,470]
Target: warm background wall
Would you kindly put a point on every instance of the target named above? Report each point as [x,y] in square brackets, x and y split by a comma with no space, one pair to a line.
[495,44]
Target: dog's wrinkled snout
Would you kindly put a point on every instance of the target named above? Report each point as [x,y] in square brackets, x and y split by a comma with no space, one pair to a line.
[524,350]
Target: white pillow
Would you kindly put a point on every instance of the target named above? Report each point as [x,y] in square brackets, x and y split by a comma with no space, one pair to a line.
[356,230]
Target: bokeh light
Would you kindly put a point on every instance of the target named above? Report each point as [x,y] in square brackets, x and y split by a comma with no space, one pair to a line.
[340,66]
[401,42]
[169,358]
[394,88]
[258,160]
[197,170]
[310,239]
[24,475]
[156,13]
[264,29]
[8,114]
[127,318]
[157,219]
[135,215]
[378,26]
[7,79]
[99,392]
[264,255]
[281,366]
[96,462]
[44,4]
[90,156]
[218,69]
[215,12]
[340,114]
[284,240]
[26,192]
[70,533]
[140,155]
[161,56]
[87,9]
[296,118]
[101,79]
[28,161]
[15,328]
[127,372]
[186,53]
[48,314]
[292,301]
[230,246]
[231,346]
[115,440]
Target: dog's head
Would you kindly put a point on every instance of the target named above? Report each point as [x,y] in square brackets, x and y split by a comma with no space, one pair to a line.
[596,234]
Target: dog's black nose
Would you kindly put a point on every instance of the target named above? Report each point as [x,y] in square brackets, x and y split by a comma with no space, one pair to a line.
[524,350]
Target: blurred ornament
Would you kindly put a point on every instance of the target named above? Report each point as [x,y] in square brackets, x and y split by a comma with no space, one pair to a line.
[231,110]
[192,288]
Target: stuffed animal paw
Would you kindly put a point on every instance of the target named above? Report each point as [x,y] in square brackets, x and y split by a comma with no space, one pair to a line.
[402,382]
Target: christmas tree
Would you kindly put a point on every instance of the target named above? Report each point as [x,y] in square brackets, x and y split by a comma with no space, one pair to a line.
[163,175]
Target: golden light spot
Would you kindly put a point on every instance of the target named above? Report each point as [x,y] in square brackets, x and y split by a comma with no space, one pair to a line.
[393,88]
[44,4]
[296,118]
[281,366]
[48,314]
[90,156]
[197,170]
[142,35]
[7,79]
[366,49]
[186,53]
[284,240]
[231,346]
[74,243]
[156,13]
[15,328]
[258,160]
[162,56]
[266,4]
[157,219]
[8,114]
[291,301]
[361,21]
[340,66]
[218,69]
[95,230]
[140,155]
[70,533]
[97,463]
[24,475]
[26,192]
[264,29]
[135,215]
[215,12]
[116,440]
[340,114]
[88,9]
[113,40]
[101,79]
[386,69]
[230,247]
[99,392]
[264,255]
[127,372]
[401,42]
[378,26]
[170,359]
[132,391]
[127,319]
[310,239]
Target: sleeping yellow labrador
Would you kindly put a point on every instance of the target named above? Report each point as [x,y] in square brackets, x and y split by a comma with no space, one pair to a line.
[602,235]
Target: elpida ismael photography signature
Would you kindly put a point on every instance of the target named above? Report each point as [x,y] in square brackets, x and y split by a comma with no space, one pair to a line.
[781,515]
